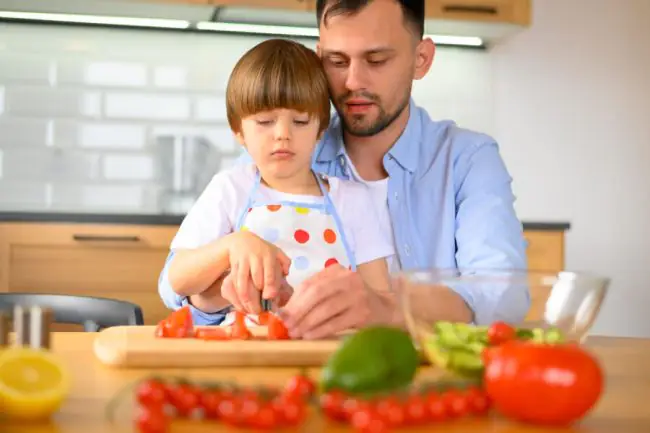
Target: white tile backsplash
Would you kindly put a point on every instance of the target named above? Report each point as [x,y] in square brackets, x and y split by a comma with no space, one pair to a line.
[128,167]
[80,108]
[147,106]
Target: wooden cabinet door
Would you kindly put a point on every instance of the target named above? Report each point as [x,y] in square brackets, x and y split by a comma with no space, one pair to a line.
[114,261]
[298,5]
[545,253]
[505,11]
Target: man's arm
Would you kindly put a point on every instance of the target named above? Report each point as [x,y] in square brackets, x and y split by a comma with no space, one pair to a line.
[488,233]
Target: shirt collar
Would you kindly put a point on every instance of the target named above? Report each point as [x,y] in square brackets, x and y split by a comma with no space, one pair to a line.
[403,151]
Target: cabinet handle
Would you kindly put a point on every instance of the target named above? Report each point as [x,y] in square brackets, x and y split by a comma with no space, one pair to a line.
[473,9]
[107,238]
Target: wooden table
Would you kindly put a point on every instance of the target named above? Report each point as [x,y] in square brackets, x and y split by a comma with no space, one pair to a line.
[625,407]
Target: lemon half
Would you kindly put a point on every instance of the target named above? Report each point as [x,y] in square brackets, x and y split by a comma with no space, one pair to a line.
[33,383]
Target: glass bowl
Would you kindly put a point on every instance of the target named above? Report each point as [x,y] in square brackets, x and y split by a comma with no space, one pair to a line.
[563,307]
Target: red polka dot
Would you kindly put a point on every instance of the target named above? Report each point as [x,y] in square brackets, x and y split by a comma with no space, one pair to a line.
[329,236]
[250,209]
[331,262]
[273,207]
[301,236]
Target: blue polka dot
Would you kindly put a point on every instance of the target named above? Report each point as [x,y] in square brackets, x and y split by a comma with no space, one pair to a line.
[271,235]
[301,263]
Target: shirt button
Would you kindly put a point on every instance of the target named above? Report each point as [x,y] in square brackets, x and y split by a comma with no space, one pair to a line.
[342,161]
[396,196]
[407,250]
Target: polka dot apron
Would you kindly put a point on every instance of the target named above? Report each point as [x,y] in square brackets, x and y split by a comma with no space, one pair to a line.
[311,234]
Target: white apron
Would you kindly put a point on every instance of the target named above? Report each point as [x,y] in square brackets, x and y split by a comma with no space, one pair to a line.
[310,234]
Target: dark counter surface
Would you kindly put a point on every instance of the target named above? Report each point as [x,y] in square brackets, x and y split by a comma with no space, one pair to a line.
[172,219]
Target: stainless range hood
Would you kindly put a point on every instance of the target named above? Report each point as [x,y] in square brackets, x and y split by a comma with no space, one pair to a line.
[230,19]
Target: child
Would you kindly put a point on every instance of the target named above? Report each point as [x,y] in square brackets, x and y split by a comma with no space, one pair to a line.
[275,212]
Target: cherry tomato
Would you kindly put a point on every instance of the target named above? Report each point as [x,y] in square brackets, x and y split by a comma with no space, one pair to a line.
[391,411]
[289,411]
[239,330]
[500,332]
[416,410]
[209,402]
[161,329]
[332,405]
[367,420]
[216,333]
[477,400]
[151,420]
[265,418]
[276,329]
[456,404]
[436,409]
[352,405]
[229,411]
[300,386]
[151,393]
[543,383]
[185,399]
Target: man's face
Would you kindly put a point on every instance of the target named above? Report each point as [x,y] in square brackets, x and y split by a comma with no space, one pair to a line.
[370,61]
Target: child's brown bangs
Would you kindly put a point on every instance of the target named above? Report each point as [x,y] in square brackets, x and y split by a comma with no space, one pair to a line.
[278,74]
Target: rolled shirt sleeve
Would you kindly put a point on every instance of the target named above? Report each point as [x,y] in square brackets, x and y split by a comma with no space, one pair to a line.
[489,235]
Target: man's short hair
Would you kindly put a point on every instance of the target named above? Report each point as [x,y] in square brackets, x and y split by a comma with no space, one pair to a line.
[413,11]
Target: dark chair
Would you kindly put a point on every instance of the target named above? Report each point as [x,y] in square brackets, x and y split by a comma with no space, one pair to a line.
[91,312]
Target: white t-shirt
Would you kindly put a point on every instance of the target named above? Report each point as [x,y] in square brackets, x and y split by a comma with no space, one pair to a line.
[379,193]
[216,211]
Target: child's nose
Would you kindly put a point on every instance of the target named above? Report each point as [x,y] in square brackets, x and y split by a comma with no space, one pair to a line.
[283,130]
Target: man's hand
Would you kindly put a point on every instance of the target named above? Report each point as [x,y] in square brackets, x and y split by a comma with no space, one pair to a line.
[333,300]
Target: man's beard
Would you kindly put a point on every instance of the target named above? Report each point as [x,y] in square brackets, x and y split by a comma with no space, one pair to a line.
[355,125]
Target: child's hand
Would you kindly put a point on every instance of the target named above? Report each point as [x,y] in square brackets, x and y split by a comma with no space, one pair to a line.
[255,266]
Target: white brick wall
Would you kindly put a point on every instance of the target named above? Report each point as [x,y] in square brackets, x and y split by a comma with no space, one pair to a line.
[80,109]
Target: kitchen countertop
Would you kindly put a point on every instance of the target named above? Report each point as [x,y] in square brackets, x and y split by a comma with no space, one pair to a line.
[172,219]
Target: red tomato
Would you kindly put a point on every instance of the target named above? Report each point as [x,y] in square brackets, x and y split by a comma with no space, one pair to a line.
[456,404]
[416,410]
[477,400]
[216,333]
[332,404]
[300,386]
[185,399]
[543,383]
[289,411]
[264,419]
[500,332]
[436,408]
[366,420]
[179,324]
[151,393]
[276,329]
[391,411]
[209,401]
[151,420]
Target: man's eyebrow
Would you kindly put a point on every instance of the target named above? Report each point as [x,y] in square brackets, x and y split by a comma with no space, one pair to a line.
[378,50]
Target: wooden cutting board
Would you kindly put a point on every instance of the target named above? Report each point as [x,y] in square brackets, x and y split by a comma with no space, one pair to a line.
[136,346]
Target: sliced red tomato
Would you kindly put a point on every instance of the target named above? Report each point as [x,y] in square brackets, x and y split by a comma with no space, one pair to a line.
[215,333]
[552,384]
[276,329]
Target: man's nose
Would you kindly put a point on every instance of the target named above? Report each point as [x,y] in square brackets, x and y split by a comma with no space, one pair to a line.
[356,77]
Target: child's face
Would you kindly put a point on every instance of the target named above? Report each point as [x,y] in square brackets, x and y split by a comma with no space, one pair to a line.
[280,141]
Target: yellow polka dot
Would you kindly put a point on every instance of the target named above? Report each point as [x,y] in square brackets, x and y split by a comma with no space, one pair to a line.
[302,210]
[244,229]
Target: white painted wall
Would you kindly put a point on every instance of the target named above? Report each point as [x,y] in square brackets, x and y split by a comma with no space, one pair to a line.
[572,113]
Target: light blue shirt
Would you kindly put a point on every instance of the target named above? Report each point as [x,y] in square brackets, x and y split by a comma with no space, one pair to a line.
[451,205]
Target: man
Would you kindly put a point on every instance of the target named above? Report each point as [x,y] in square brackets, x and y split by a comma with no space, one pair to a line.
[443,192]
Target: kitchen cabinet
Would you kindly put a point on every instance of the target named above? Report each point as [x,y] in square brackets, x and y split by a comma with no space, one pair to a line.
[298,5]
[545,252]
[123,261]
[494,11]
[114,261]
